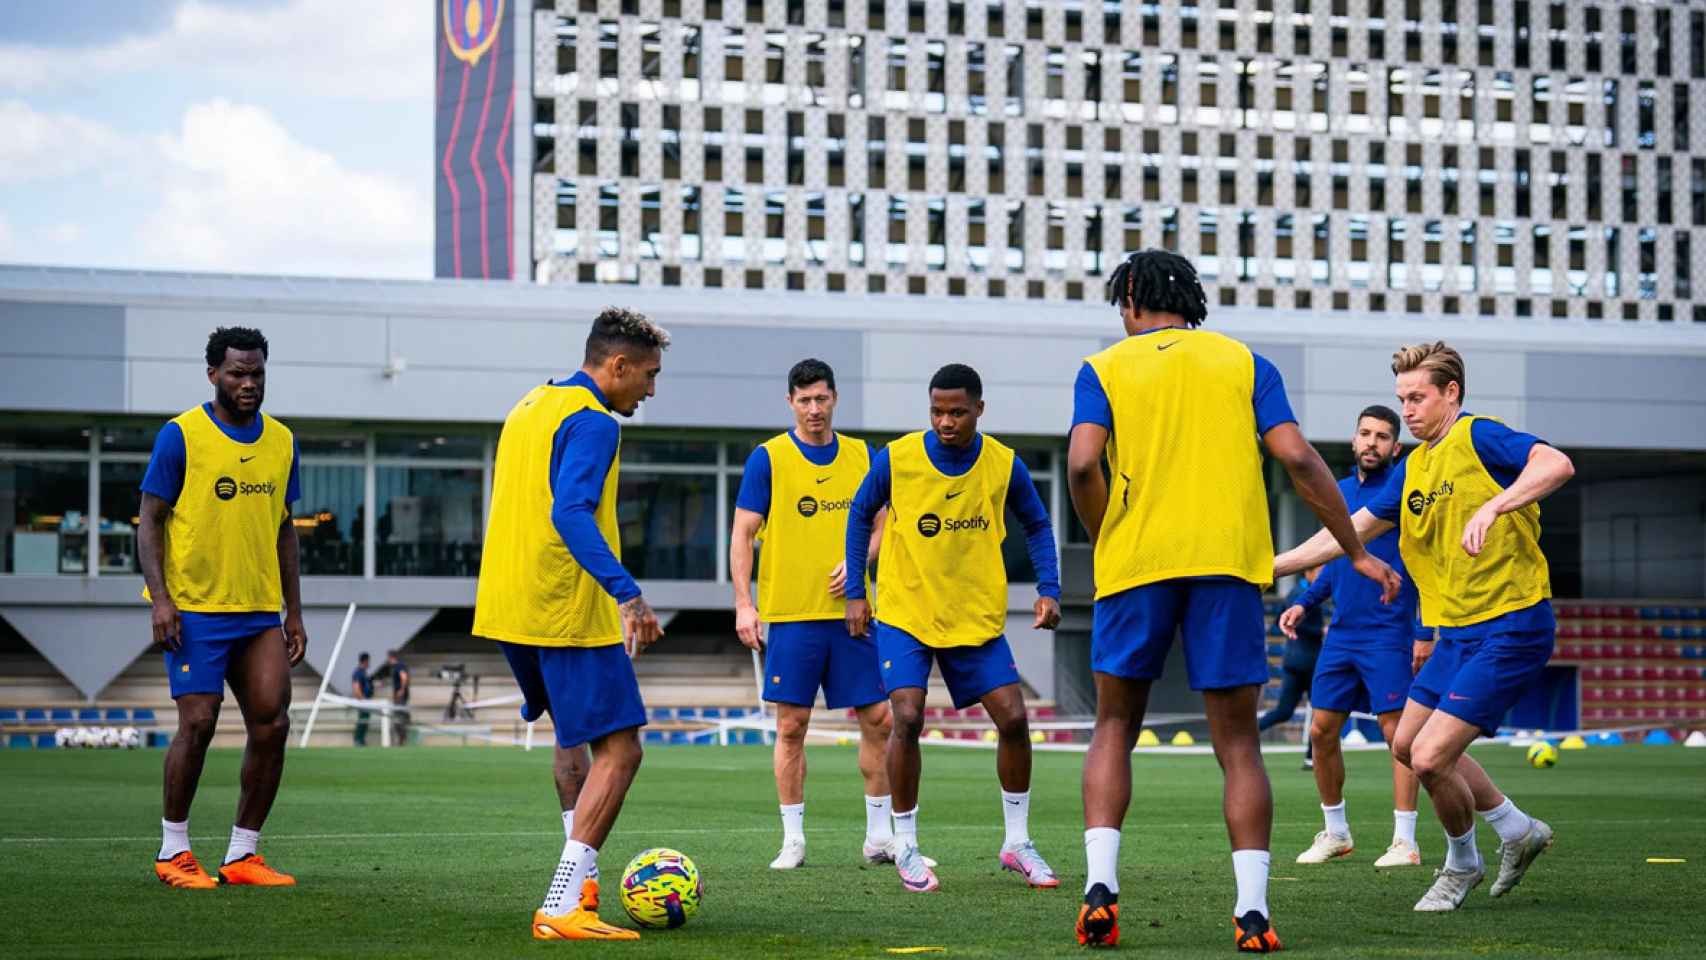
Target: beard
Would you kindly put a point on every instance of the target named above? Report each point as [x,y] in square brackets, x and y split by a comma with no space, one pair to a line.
[229,400]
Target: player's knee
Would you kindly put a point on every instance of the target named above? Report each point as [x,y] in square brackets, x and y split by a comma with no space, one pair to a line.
[1324,735]
[197,729]
[1014,727]
[1401,750]
[908,722]
[273,729]
[792,729]
[1428,764]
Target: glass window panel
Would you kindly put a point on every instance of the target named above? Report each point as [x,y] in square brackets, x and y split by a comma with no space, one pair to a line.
[669,525]
[328,520]
[121,506]
[327,446]
[665,450]
[30,435]
[46,503]
[130,437]
[429,522]
[432,446]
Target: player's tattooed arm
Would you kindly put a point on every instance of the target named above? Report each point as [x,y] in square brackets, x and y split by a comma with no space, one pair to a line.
[151,551]
[640,627]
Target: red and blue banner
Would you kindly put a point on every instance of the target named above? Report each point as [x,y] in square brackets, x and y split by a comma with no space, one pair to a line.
[475,131]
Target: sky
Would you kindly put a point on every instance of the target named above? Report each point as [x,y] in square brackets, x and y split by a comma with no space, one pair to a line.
[254,136]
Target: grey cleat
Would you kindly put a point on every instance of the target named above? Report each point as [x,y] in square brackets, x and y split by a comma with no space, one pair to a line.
[1450,889]
[1515,858]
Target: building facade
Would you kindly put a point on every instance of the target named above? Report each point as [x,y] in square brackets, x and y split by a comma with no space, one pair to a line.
[1528,159]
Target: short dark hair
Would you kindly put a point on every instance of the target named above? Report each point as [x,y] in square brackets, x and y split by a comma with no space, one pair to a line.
[958,376]
[618,328]
[809,371]
[360,657]
[233,338]
[1159,281]
[1381,411]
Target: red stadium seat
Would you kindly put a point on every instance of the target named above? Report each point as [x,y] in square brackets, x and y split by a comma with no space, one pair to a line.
[1674,674]
[1652,673]
[1590,651]
[1593,674]
[1569,631]
[1593,694]
[1697,694]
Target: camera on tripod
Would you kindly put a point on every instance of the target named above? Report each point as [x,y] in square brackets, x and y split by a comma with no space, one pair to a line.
[457,707]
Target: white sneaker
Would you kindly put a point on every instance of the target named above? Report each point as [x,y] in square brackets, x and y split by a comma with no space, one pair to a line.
[793,854]
[1515,858]
[1402,853]
[1327,846]
[1450,889]
[886,851]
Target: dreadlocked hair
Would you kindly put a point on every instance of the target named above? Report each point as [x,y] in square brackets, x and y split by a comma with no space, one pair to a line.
[1159,281]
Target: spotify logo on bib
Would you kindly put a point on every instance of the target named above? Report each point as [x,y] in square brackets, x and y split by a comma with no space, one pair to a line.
[807,506]
[929,525]
[811,506]
[225,488]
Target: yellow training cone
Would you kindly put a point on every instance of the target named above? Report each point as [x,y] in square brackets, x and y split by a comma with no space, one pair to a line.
[1573,742]
[933,735]
[1148,738]
[990,736]
[1037,736]
[1183,739]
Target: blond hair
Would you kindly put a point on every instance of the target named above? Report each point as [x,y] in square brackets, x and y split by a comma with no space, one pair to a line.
[1442,363]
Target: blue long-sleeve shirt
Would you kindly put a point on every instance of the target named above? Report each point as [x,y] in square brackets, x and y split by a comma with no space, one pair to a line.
[582,453]
[1358,614]
[1022,499]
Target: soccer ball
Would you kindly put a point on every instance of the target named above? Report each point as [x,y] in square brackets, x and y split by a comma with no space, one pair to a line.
[130,738]
[661,888]
[1542,755]
[63,736]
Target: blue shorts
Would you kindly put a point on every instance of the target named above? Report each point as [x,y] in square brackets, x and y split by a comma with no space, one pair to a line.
[970,672]
[1225,632]
[589,691]
[1361,672]
[1478,680]
[209,642]
[800,657]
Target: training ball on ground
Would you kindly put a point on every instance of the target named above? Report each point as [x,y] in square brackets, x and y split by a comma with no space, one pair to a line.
[1542,755]
[1037,736]
[990,736]
[661,888]
[130,738]
[934,735]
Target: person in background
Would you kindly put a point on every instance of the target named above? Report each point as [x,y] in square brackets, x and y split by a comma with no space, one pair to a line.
[361,688]
[397,672]
[1299,665]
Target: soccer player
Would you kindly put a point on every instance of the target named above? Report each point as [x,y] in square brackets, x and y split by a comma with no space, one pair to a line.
[219,559]
[1467,507]
[810,475]
[554,594]
[1180,527]
[943,590]
[1371,652]
[361,688]
[1302,649]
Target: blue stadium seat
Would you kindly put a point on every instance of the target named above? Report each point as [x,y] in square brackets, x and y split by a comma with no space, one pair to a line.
[652,736]
[159,738]
[734,712]
[61,715]
[1651,613]
[1274,672]
[757,736]
[687,713]
[1274,630]
[143,716]
[117,715]
[88,715]
[1690,652]
[1276,649]
[35,715]
[663,713]
[1671,633]
[1694,633]
[1694,613]
[8,716]
[44,741]
[678,736]
[19,741]
[711,713]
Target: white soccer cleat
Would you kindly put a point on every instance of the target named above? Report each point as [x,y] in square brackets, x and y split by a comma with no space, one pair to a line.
[885,852]
[793,854]
[915,876]
[1450,889]
[1327,846]
[1024,860]
[1515,858]
[1402,853]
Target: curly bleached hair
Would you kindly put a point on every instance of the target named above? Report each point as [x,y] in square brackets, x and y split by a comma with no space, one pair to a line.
[619,328]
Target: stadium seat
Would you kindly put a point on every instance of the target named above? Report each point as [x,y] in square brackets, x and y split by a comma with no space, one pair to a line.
[710,713]
[8,716]
[1593,694]
[679,737]
[35,715]
[1670,613]
[663,713]
[18,741]
[88,715]
[750,737]
[60,715]
[1671,633]
[1650,673]
[142,716]
[652,736]
[687,713]
[44,741]
[117,715]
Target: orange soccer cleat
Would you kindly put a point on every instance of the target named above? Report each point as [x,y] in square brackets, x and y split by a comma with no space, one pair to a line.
[252,870]
[1099,918]
[184,872]
[1255,934]
[581,923]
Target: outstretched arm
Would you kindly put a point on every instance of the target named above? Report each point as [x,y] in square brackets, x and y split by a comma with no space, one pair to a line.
[1314,483]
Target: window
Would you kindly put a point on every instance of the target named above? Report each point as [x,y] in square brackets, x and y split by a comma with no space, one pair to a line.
[668,523]
[47,502]
[429,521]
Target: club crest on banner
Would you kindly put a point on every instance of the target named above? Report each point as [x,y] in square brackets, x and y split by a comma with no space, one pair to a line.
[471,26]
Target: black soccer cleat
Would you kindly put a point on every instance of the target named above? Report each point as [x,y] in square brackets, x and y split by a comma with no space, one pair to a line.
[1099,918]
[1255,934]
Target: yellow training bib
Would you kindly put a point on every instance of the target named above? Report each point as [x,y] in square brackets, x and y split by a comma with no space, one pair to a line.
[221,550]
[805,534]
[1444,484]
[941,577]
[531,590]
[1186,497]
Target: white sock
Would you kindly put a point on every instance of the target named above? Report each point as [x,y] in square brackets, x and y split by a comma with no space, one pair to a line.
[1461,852]
[793,822]
[1336,824]
[1404,826]
[243,843]
[878,829]
[174,838]
[1102,852]
[1250,867]
[579,863]
[1510,823]
[906,827]
[1016,813]
[568,824]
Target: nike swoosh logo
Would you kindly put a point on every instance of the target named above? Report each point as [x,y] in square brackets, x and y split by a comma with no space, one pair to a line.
[955,494]
[244,459]
[1453,696]
[825,479]
[1163,346]
[1013,802]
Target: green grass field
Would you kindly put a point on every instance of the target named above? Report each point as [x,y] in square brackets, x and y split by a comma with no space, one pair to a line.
[446,852]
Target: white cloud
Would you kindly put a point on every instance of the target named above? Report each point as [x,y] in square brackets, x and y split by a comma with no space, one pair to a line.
[41,146]
[377,49]
[238,192]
